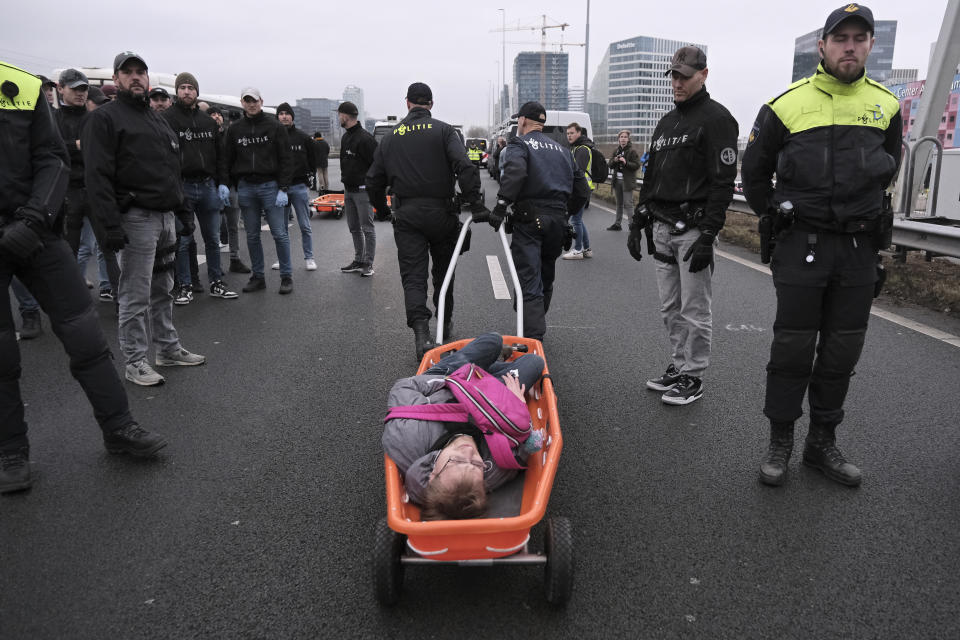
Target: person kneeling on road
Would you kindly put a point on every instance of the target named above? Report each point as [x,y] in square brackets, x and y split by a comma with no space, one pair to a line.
[448,468]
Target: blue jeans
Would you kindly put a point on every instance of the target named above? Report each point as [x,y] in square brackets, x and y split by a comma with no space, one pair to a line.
[253,199]
[582,240]
[202,199]
[28,303]
[484,351]
[88,247]
[299,200]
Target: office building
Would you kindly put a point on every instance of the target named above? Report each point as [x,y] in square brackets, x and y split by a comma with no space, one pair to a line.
[909,94]
[323,117]
[575,99]
[630,91]
[806,53]
[355,95]
[541,76]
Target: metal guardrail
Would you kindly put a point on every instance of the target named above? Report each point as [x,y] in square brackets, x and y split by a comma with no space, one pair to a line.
[942,240]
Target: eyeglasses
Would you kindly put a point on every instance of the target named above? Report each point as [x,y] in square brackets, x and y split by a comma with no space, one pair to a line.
[461,461]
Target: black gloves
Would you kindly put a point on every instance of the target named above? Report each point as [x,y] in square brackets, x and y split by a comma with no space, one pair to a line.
[700,253]
[641,216]
[479,211]
[19,240]
[499,213]
[635,241]
[568,235]
[114,239]
[383,213]
[187,227]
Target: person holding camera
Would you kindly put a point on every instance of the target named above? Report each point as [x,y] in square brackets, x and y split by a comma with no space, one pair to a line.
[624,163]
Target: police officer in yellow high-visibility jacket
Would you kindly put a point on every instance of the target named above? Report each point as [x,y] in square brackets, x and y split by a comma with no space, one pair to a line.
[34,171]
[474,153]
[833,140]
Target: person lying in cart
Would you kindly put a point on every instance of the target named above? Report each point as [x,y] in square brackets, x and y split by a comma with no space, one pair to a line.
[448,467]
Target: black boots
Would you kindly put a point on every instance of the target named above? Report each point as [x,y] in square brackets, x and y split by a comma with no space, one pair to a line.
[15,470]
[237,266]
[773,469]
[821,453]
[31,327]
[421,334]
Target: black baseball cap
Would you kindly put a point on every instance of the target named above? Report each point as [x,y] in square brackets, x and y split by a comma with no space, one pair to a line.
[214,109]
[687,61]
[419,93]
[72,78]
[159,91]
[124,58]
[44,81]
[96,95]
[533,111]
[348,108]
[852,10]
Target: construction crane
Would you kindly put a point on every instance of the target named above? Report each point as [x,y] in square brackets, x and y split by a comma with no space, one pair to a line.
[542,27]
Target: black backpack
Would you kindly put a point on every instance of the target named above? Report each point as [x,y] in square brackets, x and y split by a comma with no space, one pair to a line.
[599,171]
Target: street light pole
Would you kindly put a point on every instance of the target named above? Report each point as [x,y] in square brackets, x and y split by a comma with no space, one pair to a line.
[586,58]
[503,59]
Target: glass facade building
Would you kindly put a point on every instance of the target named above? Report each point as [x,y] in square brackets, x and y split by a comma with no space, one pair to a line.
[531,69]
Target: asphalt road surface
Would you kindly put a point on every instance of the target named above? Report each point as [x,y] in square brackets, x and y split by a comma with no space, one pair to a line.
[257,520]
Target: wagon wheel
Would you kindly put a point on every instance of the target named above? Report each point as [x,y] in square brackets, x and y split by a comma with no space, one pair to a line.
[387,570]
[558,574]
[339,213]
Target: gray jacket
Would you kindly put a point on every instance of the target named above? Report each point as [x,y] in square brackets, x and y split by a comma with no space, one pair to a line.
[407,441]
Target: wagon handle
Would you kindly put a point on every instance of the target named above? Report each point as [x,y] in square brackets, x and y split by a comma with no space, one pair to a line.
[441,306]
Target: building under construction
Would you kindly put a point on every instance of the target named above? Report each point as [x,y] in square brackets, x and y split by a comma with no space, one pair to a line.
[541,76]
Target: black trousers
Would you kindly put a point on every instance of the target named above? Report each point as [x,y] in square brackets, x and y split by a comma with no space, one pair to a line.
[423,232]
[535,247]
[55,281]
[76,209]
[822,311]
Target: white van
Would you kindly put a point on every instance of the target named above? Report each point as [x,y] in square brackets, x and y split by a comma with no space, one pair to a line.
[555,127]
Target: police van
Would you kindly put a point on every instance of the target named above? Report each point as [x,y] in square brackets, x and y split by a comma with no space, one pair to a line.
[231,106]
[555,127]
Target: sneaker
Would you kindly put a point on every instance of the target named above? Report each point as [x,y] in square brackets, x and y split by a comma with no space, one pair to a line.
[275,266]
[353,267]
[31,327]
[106,295]
[180,357]
[615,227]
[219,290]
[286,285]
[367,270]
[311,264]
[15,470]
[143,374]
[573,254]
[588,253]
[254,284]
[686,391]
[665,382]
[237,266]
[135,440]
[184,295]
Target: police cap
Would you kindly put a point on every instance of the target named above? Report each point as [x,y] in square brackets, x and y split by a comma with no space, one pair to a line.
[852,10]
[419,93]
[124,58]
[532,111]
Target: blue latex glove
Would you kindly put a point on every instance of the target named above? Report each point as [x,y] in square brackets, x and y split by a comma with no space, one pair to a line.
[224,192]
[281,199]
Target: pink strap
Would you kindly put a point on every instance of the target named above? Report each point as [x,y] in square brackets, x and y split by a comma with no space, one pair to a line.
[447,412]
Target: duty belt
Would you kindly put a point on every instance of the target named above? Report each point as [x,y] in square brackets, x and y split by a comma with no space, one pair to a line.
[196,179]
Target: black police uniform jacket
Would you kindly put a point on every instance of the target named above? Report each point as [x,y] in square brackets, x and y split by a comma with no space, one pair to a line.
[301,154]
[357,146]
[834,146]
[693,159]
[200,142]
[129,149]
[257,150]
[540,176]
[70,120]
[321,152]
[34,166]
[420,158]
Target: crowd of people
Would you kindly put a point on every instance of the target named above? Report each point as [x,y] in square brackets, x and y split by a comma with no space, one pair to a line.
[127,172]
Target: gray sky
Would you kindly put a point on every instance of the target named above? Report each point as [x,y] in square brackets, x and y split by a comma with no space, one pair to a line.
[315,49]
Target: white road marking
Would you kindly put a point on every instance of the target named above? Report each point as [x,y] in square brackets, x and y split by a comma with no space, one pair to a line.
[500,289]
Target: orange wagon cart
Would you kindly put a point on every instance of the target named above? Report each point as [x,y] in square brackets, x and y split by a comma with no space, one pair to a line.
[501,538]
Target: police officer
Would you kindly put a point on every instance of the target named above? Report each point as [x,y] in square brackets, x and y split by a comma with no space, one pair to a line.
[474,154]
[34,173]
[686,190]
[541,182]
[833,140]
[420,159]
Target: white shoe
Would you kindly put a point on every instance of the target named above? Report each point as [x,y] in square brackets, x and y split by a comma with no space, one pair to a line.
[573,254]
[275,266]
[143,374]
[311,264]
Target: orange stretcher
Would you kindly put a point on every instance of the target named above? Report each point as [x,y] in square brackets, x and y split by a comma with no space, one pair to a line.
[332,203]
[401,538]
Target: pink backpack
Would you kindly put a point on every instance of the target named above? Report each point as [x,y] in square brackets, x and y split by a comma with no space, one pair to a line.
[484,401]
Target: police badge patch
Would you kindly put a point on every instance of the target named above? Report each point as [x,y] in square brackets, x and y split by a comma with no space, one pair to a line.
[753,134]
[728,156]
